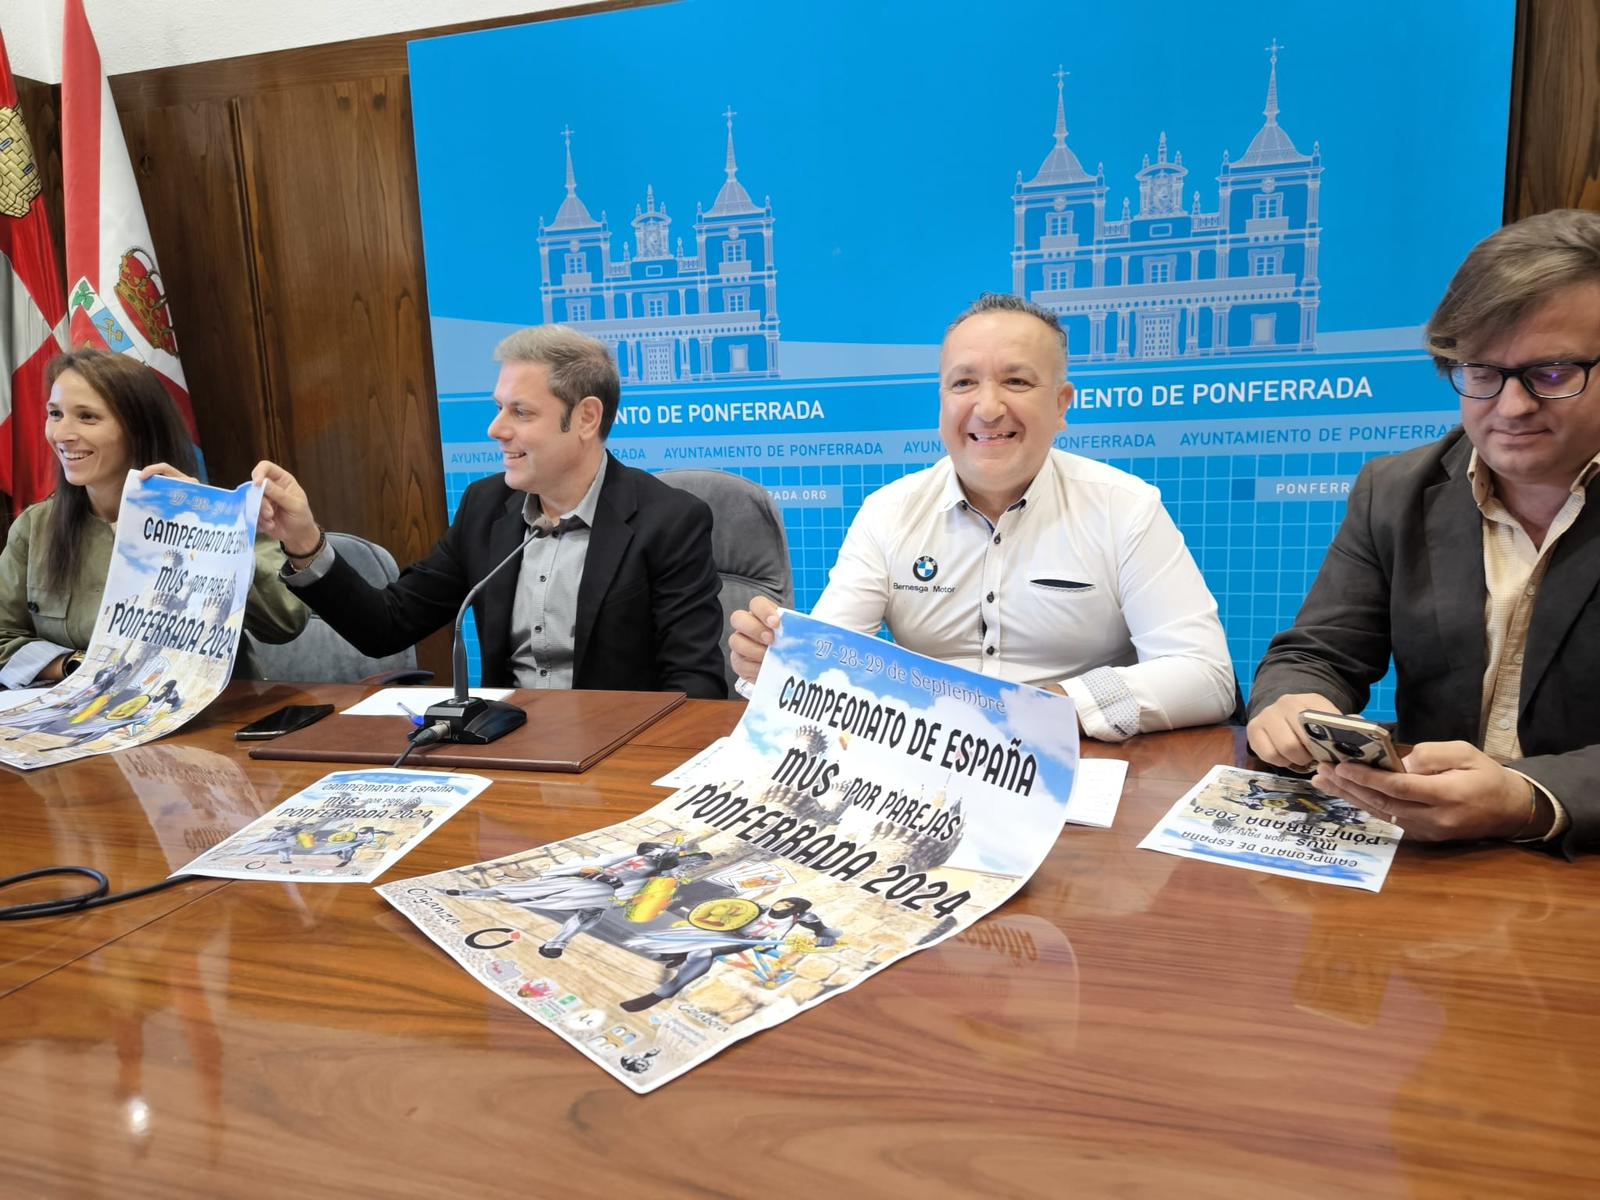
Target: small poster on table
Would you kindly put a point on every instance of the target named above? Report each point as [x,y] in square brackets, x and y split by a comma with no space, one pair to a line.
[348,827]
[1277,824]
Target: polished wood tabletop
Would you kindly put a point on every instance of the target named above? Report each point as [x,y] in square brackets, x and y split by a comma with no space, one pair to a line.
[1132,1024]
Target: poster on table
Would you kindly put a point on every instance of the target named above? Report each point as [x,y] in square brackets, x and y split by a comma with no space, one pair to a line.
[870,803]
[168,630]
[347,827]
[1277,824]
[1242,213]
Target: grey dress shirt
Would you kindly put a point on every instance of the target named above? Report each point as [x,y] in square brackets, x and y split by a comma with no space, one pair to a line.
[544,612]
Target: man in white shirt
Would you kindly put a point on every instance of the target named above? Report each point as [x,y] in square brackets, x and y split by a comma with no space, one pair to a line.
[1020,561]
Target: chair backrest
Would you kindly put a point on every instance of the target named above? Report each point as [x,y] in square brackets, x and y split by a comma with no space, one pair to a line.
[319,654]
[748,544]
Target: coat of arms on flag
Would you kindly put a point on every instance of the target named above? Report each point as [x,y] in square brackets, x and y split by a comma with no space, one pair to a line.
[145,300]
[19,176]
[86,300]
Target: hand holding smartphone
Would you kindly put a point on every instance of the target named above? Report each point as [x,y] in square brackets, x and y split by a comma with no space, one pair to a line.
[1336,738]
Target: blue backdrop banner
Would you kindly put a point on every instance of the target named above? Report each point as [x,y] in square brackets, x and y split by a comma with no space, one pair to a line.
[1243,215]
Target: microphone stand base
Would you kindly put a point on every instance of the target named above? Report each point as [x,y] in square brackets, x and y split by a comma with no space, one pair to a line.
[475,721]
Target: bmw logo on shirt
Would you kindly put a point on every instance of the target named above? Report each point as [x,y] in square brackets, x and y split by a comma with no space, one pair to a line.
[925,568]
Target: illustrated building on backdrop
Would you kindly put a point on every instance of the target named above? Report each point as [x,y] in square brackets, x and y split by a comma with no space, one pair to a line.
[1166,282]
[671,317]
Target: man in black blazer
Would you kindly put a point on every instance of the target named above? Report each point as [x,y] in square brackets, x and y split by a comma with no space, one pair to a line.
[1475,562]
[617,590]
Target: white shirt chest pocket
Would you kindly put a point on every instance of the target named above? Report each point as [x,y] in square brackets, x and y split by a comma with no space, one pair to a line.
[1062,584]
[1065,599]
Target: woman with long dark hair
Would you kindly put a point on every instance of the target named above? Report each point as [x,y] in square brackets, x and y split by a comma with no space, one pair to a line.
[107,414]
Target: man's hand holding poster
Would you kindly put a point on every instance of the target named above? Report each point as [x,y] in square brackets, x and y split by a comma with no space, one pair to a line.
[168,630]
[871,802]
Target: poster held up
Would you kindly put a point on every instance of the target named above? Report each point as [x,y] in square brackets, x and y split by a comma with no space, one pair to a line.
[171,618]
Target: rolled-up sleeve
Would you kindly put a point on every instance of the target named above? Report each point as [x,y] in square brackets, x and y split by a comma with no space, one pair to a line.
[23,653]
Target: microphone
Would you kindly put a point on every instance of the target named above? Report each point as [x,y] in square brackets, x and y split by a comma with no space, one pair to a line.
[472,720]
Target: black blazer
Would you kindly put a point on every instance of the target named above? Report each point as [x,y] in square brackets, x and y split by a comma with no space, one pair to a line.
[1405,576]
[649,617]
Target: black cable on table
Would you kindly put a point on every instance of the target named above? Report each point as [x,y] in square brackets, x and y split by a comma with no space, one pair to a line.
[100,895]
[63,906]
[423,735]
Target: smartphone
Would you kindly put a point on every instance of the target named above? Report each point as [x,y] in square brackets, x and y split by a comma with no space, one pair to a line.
[1336,738]
[285,720]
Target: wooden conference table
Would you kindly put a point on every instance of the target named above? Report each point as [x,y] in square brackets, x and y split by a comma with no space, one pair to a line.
[1132,1024]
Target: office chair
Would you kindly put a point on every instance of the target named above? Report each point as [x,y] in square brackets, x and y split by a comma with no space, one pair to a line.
[748,544]
[320,655]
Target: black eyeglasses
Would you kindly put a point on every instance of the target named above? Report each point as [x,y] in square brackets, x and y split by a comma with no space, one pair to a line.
[1547,381]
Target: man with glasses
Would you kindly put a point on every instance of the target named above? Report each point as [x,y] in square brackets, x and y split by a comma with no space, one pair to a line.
[1475,563]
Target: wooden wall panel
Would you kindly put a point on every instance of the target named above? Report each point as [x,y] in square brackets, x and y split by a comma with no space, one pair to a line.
[336,239]
[187,165]
[1554,159]
[337,244]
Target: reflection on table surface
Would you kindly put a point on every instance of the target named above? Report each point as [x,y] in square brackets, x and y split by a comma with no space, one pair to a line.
[1131,1024]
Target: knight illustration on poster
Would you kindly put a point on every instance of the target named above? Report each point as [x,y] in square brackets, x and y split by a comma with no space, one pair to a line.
[870,803]
[168,631]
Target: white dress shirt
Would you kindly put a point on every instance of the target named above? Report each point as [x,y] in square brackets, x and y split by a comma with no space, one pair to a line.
[1085,582]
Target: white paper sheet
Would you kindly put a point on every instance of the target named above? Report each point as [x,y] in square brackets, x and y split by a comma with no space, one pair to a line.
[689,768]
[1096,792]
[387,703]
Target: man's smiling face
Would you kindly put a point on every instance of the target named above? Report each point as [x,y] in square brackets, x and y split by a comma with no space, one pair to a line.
[1003,397]
[539,442]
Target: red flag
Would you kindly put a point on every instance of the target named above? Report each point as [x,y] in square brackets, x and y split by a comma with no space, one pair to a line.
[31,288]
[114,289]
